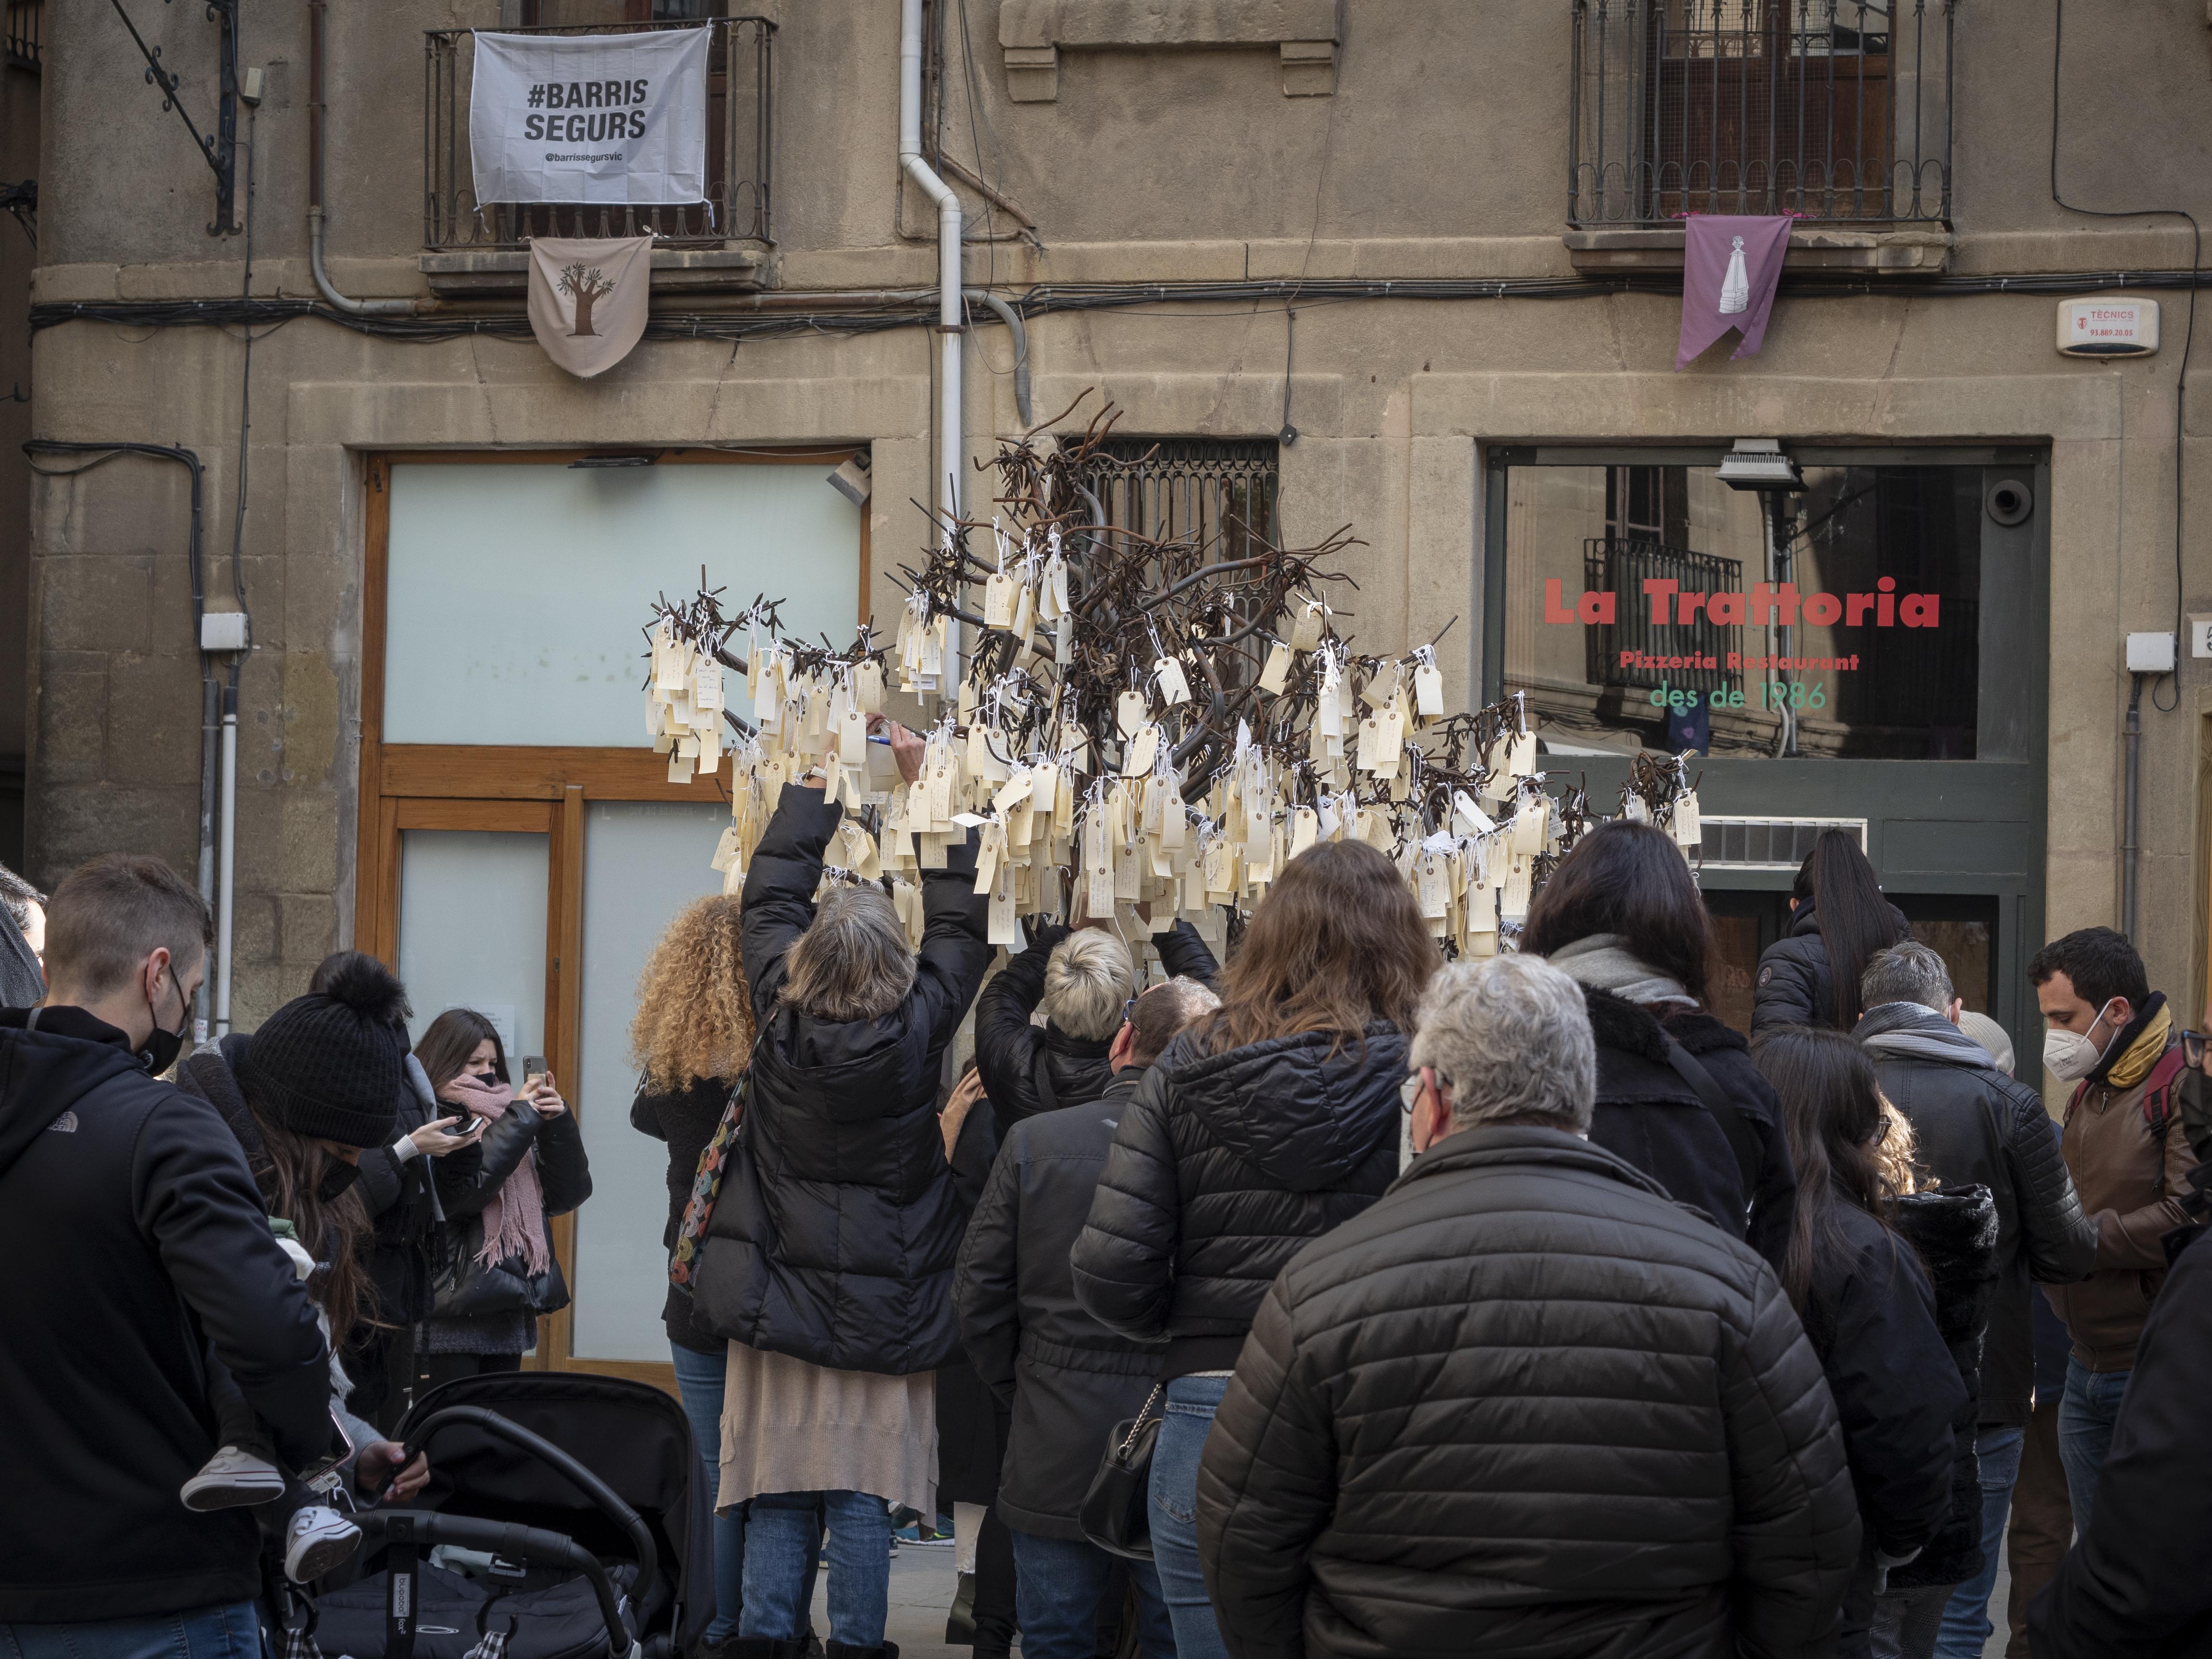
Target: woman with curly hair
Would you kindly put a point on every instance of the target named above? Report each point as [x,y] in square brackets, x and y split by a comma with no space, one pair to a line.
[690,1041]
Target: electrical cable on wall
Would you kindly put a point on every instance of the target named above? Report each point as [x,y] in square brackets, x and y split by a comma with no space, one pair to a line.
[2188,336]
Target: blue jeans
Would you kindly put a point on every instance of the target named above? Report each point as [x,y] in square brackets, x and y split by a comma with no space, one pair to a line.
[699,1380]
[220,1633]
[2087,1411]
[1192,1401]
[782,1537]
[1967,1627]
[1059,1583]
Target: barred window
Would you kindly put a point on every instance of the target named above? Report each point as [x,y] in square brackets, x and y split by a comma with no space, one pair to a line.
[1221,491]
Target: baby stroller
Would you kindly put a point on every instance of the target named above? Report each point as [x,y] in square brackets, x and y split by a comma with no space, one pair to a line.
[560,1519]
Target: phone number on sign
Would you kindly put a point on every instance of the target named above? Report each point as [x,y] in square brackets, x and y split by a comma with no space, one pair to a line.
[1773,694]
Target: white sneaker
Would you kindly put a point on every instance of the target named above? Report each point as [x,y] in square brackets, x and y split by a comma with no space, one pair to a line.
[318,1540]
[231,1479]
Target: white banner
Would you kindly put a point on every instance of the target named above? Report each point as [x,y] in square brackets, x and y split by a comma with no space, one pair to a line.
[590,118]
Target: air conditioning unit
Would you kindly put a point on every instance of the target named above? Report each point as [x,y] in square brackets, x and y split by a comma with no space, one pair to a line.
[1767,843]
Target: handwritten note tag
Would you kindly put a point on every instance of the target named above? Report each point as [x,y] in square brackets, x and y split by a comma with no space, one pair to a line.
[999,601]
[1173,687]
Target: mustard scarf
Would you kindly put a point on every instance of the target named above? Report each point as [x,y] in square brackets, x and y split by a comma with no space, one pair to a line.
[2133,1066]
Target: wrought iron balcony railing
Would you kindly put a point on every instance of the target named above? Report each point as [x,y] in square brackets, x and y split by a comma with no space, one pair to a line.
[740,112]
[26,24]
[1619,565]
[1837,110]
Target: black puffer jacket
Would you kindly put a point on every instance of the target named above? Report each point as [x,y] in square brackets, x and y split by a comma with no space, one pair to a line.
[1222,1166]
[1012,1053]
[1649,1115]
[1954,1233]
[1526,1406]
[468,1178]
[402,1204]
[686,1119]
[834,1238]
[1794,986]
[2134,1586]
[1068,1378]
[1975,1126]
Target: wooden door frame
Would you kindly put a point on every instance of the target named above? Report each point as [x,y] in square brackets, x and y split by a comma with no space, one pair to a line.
[514,788]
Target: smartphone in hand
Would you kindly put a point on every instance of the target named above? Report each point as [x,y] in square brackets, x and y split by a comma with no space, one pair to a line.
[534,1072]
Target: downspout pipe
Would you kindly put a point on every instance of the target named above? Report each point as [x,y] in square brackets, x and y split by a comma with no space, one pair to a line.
[226,872]
[2129,849]
[332,297]
[210,692]
[951,319]
[1012,319]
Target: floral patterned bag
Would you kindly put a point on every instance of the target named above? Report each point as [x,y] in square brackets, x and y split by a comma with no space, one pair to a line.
[706,1183]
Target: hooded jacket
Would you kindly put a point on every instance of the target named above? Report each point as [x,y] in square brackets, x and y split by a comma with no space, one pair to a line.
[1794,986]
[1068,1378]
[833,1238]
[1975,1126]
[1954,1231]
[1016,1057]
[1649,1115]
[686,1119]
[135,1241]
[2131,1177]
[1222,1166]
[1526,1406]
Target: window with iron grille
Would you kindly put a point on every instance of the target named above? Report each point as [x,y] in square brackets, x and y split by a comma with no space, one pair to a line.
[26,21]
[1831,110]
[1219,491]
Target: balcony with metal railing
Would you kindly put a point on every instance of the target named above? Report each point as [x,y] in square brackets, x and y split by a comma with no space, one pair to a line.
[1620,565]
[1836,111]
[474,247]
[26,27]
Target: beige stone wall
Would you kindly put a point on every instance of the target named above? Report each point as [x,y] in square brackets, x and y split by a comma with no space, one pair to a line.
[1440,153]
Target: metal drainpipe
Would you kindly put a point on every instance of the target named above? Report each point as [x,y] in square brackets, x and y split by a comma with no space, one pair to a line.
[2132,742]
[950,319]
[1012,319]
[226,869]
[331,296]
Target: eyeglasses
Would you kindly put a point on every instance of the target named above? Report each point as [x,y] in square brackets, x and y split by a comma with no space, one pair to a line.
[2193,1045]
[1129,1011]
[1409,1093]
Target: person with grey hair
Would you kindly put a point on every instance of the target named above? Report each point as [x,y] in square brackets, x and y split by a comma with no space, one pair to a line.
[1082,982]
[1526,1404]
[1067,1378]
[1974,1124]
[827,1261]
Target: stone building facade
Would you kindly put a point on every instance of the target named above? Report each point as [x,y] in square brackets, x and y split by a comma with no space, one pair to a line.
[1389,248]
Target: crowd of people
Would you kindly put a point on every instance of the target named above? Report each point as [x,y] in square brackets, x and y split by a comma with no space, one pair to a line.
[1327,1298]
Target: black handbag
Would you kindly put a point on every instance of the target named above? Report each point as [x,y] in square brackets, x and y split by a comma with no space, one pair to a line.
[467,1288]
[1114,1514]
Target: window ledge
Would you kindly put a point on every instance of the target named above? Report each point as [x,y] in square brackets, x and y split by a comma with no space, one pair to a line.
[1924,252]
[478,272]
[1033,32]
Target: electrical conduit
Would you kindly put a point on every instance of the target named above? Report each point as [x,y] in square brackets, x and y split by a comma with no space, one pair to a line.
[950,318]
[331,296]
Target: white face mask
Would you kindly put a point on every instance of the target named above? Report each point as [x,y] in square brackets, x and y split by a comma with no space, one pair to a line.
[2070,1055]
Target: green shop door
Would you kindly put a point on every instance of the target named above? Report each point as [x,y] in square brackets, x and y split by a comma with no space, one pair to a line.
[1866,651]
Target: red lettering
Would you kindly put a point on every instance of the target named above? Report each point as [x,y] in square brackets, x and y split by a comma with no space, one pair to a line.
[1762,603]
[1823,610]
[1659,587]
[1856,606]
[1786,602]
[1725,610]
[1594,609]
[1555,604]
[1686,606]
[1920,609]
[1627,658]
[1885,610]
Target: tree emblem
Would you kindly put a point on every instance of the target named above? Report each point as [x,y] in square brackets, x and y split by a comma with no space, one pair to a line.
[588,286]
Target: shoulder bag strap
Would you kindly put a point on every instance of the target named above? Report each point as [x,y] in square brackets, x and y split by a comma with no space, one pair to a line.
[1740,1140]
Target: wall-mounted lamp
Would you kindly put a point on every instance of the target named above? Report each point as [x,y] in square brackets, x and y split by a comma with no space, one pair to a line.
[1760,464]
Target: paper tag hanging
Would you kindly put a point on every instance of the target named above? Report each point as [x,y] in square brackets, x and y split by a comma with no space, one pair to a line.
[1428,690]
[1173,687]
[1306,623]
[1278,669]
[999,601]
[1129,713]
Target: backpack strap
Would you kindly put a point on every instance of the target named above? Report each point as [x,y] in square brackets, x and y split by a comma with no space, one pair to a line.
[1724,1112]
[2158,1090]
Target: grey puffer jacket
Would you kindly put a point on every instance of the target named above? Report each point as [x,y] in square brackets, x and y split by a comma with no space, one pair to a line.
[1222,1167]
[1974,1127]
[1525,1406]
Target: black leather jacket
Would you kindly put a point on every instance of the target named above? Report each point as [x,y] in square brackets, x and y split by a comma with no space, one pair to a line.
[469,1177]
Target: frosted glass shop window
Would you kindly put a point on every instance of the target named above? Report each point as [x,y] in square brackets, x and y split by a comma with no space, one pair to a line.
[472,931]
[516,593]
[643,861]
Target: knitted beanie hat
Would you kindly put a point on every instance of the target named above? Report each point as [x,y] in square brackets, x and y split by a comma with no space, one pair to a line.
[330,1066]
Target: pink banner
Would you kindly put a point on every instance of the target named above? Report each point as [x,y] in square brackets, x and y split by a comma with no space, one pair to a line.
[1730,266]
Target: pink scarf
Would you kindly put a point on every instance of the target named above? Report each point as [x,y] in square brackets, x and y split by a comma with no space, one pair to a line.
[514,1220]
